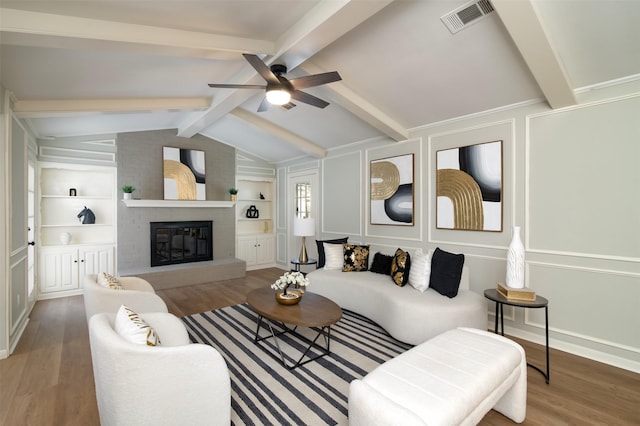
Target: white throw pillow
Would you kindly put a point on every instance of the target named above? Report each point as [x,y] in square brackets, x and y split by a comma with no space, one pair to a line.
[108,280]
[334,256]
[420,271]
[134,329]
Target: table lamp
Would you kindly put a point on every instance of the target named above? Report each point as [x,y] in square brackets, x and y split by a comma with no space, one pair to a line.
[304,227]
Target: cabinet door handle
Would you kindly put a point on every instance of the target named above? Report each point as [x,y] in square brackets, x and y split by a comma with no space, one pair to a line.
[32,243]
[75,261]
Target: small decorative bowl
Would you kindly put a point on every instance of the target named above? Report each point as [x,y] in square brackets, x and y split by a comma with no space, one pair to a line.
[292,297]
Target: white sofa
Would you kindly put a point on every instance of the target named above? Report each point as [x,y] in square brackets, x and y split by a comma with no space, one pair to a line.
[452,379]
[175,383]
[404,312]
[137,294]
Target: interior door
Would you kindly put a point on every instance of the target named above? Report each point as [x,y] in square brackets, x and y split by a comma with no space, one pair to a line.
[31,235]
[17,297]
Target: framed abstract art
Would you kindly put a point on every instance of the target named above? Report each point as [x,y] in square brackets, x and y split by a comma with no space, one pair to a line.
[184,174]
[469,187]
[391,191]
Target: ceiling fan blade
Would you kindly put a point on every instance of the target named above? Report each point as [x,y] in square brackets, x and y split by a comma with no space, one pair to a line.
[315,80]
[288,106]
[308,99]
[261,68]
[237,86]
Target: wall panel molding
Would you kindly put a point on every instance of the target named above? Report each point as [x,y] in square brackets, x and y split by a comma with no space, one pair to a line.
[348,205]
[281,191]
[603,181]
[570,290]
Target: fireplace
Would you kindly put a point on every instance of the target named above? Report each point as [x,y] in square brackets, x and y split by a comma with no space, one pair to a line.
[181,242]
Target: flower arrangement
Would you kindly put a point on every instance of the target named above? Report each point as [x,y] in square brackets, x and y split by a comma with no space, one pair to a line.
[288,279]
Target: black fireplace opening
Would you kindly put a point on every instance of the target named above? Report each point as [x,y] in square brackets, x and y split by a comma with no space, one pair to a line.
[181,242]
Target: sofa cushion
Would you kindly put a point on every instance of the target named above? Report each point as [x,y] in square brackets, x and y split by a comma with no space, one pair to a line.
[420,272]
[381,264]
[446,271]
[107,280]
[400,267]
[134,329]
[321,253]
[356,258]
[407,314]
[334,258]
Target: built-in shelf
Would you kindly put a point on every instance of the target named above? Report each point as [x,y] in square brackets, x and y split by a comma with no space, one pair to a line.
[79,197]
[74,225]
[178,203]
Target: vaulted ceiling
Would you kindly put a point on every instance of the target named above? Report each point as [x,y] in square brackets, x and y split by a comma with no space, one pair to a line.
[89,67]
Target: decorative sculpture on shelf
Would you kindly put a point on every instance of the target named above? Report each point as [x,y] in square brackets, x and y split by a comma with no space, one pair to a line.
[253,212]
[86,216]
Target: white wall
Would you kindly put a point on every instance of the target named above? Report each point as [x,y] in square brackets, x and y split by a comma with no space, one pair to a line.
[570,180]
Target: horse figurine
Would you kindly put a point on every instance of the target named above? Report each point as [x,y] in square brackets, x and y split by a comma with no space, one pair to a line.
[86,216]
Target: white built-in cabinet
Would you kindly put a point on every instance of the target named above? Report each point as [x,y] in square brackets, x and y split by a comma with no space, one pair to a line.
[257,251]
[64,268]
[255,237]
[64,190]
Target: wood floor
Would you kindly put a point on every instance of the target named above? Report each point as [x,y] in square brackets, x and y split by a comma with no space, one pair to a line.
[49,379]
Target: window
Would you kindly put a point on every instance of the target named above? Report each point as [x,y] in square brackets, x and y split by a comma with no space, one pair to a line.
[303,200]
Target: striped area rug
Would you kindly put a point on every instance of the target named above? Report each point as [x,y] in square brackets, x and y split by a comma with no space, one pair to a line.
[263,392]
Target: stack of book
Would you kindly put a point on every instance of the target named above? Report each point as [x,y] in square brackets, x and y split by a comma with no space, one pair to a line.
[516,293]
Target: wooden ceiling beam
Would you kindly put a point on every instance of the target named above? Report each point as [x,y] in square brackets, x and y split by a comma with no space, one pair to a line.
[526,30]
[299,142]
[361,108]
[49,108]
[33,28]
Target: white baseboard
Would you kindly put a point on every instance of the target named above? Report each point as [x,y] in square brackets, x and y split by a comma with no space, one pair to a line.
[4,354]
[58,294]
[17,335]
[572,348]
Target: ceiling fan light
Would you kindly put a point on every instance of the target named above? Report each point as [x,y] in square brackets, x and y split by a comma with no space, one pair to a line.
[278,96]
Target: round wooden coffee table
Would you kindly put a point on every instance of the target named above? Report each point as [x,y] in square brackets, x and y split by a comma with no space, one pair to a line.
[314,311]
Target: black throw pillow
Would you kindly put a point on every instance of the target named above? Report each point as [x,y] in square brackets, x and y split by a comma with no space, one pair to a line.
[381,264]
[320,244]
[356,258]
[446,271]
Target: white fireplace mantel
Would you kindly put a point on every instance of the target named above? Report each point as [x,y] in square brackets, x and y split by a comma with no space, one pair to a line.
[178,203]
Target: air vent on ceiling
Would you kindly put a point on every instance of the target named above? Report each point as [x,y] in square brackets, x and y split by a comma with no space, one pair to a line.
[466,15]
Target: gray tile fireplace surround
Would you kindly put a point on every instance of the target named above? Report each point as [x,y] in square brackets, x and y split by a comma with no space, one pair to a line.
[140,164]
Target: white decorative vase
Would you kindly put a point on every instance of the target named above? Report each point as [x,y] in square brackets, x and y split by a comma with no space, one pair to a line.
[127,195]
[515,261]
[65,238]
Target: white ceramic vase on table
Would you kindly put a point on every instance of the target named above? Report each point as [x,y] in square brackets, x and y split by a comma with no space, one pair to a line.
[515,261]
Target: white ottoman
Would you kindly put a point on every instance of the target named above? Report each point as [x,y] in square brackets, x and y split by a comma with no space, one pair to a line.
[453,379]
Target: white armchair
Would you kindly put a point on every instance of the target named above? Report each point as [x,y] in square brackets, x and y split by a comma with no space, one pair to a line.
[138,295]
[174,383]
